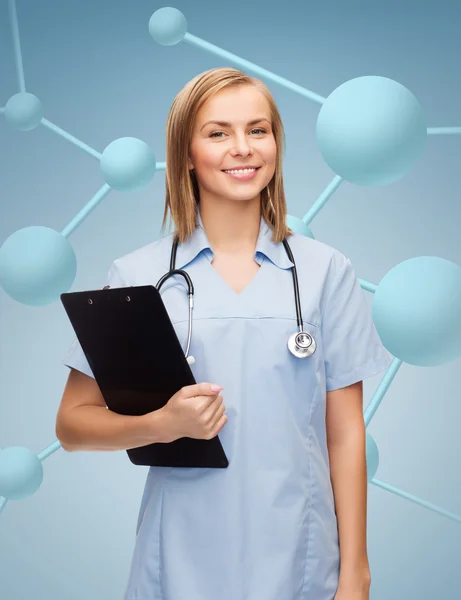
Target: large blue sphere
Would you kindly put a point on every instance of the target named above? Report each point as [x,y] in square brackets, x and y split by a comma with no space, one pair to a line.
[21,473]
[128,164]
[372,457]
[298,226]
[37,264]
[167,26]
[24,111]
[416,310]
[371,130]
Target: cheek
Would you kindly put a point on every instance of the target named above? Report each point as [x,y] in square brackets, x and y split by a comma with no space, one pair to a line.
[207,157]
[270,152]
[269,156]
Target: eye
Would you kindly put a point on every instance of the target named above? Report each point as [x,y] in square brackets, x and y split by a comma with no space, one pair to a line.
[218,133]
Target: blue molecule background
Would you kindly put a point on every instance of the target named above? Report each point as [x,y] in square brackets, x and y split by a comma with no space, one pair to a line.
[371,130]
[108,72]
[416,311]
[167,26]
[127,164]
[23,111]
[36,265]
[21,473]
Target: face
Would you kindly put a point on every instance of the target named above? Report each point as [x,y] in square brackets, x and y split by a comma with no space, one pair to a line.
[245,141]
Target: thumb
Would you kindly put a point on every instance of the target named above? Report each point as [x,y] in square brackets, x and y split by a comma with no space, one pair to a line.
[201,389]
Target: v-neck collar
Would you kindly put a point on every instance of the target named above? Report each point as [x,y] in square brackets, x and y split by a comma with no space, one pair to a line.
[198,242]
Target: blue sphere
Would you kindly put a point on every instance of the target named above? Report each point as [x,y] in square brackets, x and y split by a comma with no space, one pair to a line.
[416,311]
[298,226]
[24,111]
[371,130]
[37,264]
[372,457]
[128,164]
[167,26]
[21,473]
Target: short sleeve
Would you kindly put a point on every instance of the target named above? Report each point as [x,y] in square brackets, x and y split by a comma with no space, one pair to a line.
[352,347]
[75,356]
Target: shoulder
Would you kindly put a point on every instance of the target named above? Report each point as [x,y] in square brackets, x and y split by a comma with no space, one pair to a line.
[314,255]
[145,264]
[324,272]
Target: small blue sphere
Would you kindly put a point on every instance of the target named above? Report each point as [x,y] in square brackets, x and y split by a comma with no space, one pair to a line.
[416,311]
[37,264]
[24,111]
[167,26]
[372,457]
[298,226]
[128,164]
[371,130]
[21,473]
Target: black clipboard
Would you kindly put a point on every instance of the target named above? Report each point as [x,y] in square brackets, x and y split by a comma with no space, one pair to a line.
[136,358]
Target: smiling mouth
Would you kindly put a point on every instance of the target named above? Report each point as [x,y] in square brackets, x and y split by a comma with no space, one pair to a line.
[241,170]
[242,174]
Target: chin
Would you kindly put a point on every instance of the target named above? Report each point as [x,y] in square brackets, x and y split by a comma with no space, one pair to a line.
[244,197]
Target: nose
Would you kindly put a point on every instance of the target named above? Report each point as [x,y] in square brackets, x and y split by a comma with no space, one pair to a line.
[241,146]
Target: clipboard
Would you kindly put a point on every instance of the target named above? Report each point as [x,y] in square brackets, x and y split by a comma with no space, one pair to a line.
[136,358]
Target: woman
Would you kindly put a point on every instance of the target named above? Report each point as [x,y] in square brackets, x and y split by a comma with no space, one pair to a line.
[286,519]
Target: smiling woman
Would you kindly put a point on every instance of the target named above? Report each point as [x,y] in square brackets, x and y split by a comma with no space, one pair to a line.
[244,154]
[266,526]
[225,143]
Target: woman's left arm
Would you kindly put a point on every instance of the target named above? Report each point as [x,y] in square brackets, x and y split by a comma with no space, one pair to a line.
[346,440]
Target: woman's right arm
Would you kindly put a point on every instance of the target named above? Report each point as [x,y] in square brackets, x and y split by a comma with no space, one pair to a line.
[84,422]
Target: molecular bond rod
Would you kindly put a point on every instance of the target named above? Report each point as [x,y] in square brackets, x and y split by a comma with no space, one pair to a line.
[49,450]
[322,199]
[367,285]
[443,130]
[415,499]
[86,210]
[245,64]
[71,138]
[381,390]
[17,45]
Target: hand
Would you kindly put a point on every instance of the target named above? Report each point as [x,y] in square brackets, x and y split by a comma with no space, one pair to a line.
[195,411]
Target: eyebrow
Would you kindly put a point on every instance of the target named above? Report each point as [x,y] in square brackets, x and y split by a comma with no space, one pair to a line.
[227,124]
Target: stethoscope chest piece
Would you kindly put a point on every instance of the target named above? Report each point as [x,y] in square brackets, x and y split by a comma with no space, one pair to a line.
[301,344]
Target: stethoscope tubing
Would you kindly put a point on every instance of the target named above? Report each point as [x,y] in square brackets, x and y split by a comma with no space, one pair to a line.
[190,287]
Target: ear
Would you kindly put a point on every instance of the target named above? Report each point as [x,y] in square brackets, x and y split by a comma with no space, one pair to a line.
[190,166]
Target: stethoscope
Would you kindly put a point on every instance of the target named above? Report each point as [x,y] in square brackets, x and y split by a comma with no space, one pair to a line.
[301,344]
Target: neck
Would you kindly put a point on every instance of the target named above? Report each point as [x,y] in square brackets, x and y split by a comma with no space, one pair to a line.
[231,227]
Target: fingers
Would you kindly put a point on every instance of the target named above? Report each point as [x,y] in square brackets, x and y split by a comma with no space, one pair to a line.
[200,389]
[214,412]
[222,421]
[207,406]
[214,419]
[204,391]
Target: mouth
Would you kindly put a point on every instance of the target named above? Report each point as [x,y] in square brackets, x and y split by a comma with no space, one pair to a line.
[242,174]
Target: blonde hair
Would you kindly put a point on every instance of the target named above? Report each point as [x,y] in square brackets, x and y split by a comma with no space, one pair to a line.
[182,192]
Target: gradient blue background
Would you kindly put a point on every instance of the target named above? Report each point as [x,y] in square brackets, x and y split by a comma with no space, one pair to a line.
[100,76]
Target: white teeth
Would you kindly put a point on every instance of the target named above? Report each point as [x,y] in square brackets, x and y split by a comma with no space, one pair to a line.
[236,171]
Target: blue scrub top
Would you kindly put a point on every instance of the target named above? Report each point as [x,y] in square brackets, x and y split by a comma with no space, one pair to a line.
[264,528]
